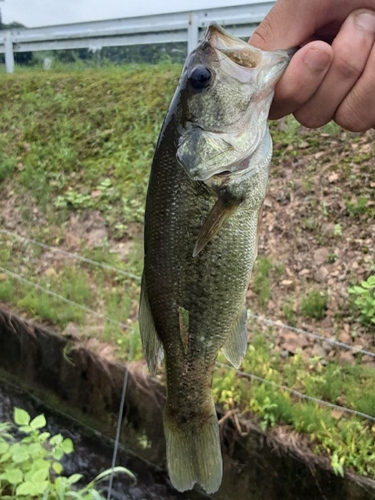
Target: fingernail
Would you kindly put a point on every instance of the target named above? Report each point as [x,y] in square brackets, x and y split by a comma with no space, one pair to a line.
[366,20]
[316,59]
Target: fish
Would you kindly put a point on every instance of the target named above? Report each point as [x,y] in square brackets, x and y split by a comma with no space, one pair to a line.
[206,188]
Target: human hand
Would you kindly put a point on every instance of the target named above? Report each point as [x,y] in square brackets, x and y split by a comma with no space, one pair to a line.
[324,82]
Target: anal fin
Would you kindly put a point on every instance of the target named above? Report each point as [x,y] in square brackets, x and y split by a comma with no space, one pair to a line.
[152,346]
[235,346]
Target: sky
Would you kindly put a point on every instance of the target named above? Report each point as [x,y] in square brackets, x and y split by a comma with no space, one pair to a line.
[33,13]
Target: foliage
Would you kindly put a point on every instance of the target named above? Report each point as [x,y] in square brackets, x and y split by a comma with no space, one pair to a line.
[357,207]
[31,468]
[265,408]
[314,305]
[338,230]
[109,56]
[264,269]
[82,141]
[346,440]
[289,313]
[364,299]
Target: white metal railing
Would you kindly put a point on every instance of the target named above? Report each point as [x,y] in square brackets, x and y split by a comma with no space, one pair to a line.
[186,26]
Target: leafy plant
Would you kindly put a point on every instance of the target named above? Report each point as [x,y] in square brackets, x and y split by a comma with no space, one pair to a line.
[357,207]
[314,305]
[364,299]
[332,257]
[264,269]
[289,313]
[338,230]
[267,410]
[31,469]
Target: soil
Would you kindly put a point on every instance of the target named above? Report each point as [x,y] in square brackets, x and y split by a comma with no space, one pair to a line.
[322,244]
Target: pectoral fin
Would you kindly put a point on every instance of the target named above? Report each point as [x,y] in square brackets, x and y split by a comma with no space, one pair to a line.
[218,216]
[235,346]
[152,347]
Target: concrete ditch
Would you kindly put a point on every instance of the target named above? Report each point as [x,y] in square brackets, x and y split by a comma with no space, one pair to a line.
[70,378]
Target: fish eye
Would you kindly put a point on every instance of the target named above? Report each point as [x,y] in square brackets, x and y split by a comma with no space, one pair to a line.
[200,77]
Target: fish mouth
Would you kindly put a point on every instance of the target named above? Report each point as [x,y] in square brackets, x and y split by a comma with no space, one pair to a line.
[242,56]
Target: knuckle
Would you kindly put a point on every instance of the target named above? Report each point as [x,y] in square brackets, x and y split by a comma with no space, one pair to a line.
[348,68]
[264,32]
[258,38]
[310,120]
[353,116]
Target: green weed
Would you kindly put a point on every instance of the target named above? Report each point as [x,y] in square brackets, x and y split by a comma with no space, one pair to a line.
[348,442]
[290,314]
[357,207]
[332,129]
[338,230]
[332,257]
[31,467]
[263,270]
[314,305]
[364,299]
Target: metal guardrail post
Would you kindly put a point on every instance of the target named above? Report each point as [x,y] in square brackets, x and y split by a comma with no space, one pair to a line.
[9,55]
[193,32]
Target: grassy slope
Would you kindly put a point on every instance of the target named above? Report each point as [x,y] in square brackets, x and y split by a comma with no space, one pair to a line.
[78,143]
[63,136]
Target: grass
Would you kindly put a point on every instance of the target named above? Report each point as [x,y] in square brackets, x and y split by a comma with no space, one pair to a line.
[81,142]
[264,271]
[103,291]
[344,438]
[289,313]
[78,142]
[358,207]
[314,305]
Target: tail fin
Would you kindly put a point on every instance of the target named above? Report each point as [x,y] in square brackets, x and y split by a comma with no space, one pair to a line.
[193,453]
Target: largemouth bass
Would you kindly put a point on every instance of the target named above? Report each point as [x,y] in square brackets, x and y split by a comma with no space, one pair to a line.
[207,185]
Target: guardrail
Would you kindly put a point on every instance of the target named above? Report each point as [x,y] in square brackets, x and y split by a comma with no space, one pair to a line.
[186,26]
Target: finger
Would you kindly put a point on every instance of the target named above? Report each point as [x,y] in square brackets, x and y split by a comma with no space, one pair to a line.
[291,22]
[280,30]
[301,79]
[357,111]
[351,49]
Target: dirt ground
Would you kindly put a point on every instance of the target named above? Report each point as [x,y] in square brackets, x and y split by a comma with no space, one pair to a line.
[319,224]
